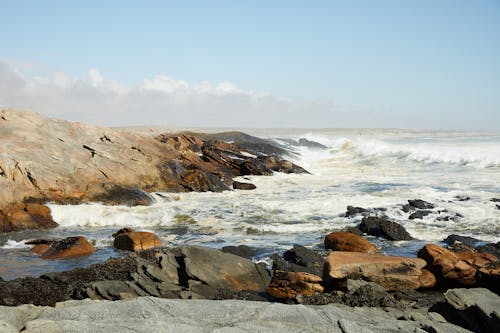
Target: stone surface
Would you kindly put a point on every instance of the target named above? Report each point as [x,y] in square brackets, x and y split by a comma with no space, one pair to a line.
[346,241]
[465,240]
[299,259]
[240,250]
[44,159]
[419,214]
[454,268]
[421,204]
[129,240]
[477,309]
[243,186]
[392,273]
[149,314]
[65,248]
[383,227]
[287,285]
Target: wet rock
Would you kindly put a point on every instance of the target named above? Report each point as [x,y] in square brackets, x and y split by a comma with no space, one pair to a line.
[392,273]
[354,230]
[495,200]
[346,241]
[419,214]
[21,216]
[465,240]
[383,227]
[353,211]
[421,204]
[240,250]
[462,198]
[454,268]
[130,240]
[455,218]
[407,208]
[476,309]
[124,195]
[493,248]
[301,259]
[287,285]
[40,245]
[243,186]
[67,248]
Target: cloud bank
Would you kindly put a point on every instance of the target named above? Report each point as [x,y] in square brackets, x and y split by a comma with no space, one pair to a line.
[159,100]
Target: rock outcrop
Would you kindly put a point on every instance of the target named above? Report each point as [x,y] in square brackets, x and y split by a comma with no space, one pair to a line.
[346,241]
[46,159]
[392,273]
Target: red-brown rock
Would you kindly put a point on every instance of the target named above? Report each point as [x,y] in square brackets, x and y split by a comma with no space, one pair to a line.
[454,268]
[63,248]
[392,273]
[346,241]
[427,280]
[286,285]
[129,240]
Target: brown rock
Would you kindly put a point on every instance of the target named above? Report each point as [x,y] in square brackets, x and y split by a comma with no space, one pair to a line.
[454,268]
[427,280]
[243,186]
[392,273]
[286,285]
[20,216]
[68,247]
[346,241]
[129,240]
[40,246]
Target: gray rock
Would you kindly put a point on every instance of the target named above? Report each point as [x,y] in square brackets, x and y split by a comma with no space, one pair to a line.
[383,227]
[149,314]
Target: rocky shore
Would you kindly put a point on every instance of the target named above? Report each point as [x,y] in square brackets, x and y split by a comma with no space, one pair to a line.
[347,286]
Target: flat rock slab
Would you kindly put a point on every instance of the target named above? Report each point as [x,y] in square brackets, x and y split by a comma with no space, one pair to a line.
[149,314]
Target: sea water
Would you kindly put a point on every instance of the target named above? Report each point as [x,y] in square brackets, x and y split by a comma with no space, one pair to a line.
[458,172]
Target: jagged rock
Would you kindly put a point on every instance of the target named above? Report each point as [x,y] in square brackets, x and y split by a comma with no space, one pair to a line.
[382,227]
[287,285]
[240,250]
[476,309]
[419,214]
[300,259]
[392,273]
[346,241]
[67,248]
[421,204]
[454,268]
[243,186]
[129,240]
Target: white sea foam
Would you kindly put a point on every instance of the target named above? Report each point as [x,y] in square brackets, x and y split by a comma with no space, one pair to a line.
[12,244]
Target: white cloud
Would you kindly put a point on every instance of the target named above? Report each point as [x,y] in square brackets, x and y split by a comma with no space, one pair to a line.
[160,100]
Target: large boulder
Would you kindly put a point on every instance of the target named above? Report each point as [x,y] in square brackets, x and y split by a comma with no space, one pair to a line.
[129,240]
[346,241]
[455,268]
[392,273]
[299,259]
[287,285]
[381,226]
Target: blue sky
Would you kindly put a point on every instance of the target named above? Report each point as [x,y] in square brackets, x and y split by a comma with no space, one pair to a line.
[413,64]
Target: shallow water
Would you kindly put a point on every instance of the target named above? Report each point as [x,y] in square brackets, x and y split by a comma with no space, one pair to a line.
[367,168]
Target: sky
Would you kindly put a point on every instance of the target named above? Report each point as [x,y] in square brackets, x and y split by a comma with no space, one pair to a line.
[422,64]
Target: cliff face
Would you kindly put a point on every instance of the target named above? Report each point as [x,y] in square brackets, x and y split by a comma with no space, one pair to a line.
[43,159]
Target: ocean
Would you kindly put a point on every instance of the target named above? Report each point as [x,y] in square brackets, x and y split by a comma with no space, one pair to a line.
[459,172]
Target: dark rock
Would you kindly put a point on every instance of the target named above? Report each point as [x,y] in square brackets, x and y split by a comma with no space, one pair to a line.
[419,214]
[493,248]
[418,299]
[382,227]
[462,198]
[354,230]
[240,250]
[476,309]
[320,298]
[446,218]
[353,211]
[302,259]
[420,204]
[407,208]
[311,144]
[243,186]
[123,195]
[495,200]
[468,241]
[369,295]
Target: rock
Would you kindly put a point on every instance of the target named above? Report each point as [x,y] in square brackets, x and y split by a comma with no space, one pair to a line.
[421,204]
[40,245]
[354,230]
[124,195]
[419,214]
[243,186]
[129,240]
[465,240]
[427,280]
[302,259]
[346,241]
[287,285]
[353,211]
[311,144]
[240,250]
[493,248]
[495,200]
[462,198]
[66,248]
[382,227]
[151,314]
[367,294]
[392,273]
[21,216]
[454,269]
[476,309]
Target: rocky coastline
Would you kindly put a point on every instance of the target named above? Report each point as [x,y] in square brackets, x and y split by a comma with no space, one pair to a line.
[347,287]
